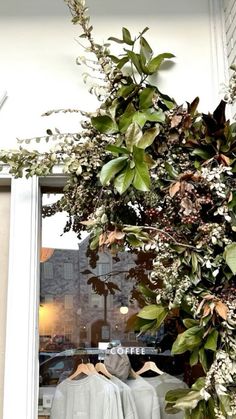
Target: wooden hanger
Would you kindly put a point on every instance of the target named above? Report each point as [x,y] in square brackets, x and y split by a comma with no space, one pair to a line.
[133,374]
[81,369]
[91,367]
[150,366]
[100,367]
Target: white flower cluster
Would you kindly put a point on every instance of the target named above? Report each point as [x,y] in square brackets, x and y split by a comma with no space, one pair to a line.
[221,375]
[214,178]
[174,285]
[228,336]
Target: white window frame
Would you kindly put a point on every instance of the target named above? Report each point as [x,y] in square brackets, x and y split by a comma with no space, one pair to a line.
[22,337]
[21,360]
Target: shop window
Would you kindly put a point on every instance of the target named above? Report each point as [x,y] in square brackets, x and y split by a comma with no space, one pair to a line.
[75,313]
[68,271]
[48,270]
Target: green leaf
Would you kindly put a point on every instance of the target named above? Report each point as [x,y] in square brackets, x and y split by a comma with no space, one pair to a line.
[211,342]
[112,38]
[145,97]
[124,180]
[104,124]
[161,317]
[94,243]
[156,62]
[122,62]
[145,48]
[151,312]
[190,323]
[135,59]
[117,150]
[127,37]
[187,340]
[147,326]
[171,171]
[205,155]
[140,118]
[230,256]
[110,169]
[142,180]
[173,395]
[154,116]
[190,401]
[193,360]
[132,135]
[148,137]
[194,260]
[146,291]
[203,359]
[133,240]
[124,91]
[127,117]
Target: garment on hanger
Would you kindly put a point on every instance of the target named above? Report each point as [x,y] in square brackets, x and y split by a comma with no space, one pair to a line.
[127,400]
[86,398]
[145,397]
[162,384]
[117,411]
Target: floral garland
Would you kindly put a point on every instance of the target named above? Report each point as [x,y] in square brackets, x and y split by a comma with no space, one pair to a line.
[152,176]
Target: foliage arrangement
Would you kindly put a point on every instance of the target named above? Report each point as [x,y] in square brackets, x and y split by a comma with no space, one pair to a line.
[147,174]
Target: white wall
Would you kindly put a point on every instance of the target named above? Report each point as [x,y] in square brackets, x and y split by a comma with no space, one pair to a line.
[37,60]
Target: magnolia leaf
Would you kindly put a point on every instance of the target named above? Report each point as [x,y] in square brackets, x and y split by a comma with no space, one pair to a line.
[189,401]
[104,124]
[230,256]
[141,180]
[221,309]
[146,97]
[135,59]
[124,180]
[122,62]
[173,395]
[117,150]
[140,118]
[203,359]
[148,137]
[151,312]
[205,155]
[127,37]
[156,62]
[147,326]
[111,168]
[190,323]
[211,342]
[133,135]
[194,261]
[193,360]
[146,291]
[174,188]
[154,116]
[126,118]
[187,340]
[124,91]
[161,317]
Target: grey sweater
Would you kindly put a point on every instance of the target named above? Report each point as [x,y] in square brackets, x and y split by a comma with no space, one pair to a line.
[87,398]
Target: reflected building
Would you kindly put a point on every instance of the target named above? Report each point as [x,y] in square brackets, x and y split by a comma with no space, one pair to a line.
[71,313]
